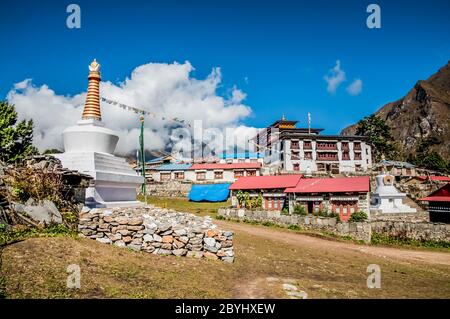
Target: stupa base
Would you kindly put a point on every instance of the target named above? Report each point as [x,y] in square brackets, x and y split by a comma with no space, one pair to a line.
[115,182]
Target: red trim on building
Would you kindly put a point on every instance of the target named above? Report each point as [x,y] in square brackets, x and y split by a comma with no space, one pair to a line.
[209,166]
[441,195]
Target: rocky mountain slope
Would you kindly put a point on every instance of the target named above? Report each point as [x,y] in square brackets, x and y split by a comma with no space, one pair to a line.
[424,113]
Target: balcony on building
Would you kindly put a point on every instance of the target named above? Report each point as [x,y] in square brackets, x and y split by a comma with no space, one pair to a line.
[345,156]
[308,155]
[345,146]
[326,146]
[307,145]
[327,157]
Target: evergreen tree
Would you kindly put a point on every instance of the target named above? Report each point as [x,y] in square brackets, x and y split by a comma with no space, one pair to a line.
[430,159]
[15,138]
[379,135]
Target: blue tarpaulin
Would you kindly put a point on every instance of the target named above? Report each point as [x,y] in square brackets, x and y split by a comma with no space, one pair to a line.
[209,192]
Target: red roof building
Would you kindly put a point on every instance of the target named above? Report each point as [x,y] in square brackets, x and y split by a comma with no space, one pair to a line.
[439,205]
[342,195]
[222,172]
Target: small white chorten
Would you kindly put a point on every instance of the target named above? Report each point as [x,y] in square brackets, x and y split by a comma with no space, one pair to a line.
[89,148]
[386,198]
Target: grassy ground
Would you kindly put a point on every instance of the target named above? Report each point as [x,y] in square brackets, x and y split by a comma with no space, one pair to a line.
[184,205]
[36,268]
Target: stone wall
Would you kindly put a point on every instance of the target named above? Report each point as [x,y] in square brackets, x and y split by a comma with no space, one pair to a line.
[358,231]
[422,231]
[402,226]
[158,231]
[169,189]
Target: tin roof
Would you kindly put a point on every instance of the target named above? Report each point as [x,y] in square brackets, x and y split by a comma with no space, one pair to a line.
[331,185]
[441,195]
[173,167]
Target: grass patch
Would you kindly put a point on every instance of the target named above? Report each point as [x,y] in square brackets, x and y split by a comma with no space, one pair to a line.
[184,205]
[21,233]
[384,240]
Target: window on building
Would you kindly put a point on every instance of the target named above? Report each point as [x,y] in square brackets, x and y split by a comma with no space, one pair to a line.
[307,145]
[275,204]
[269,203]
[296,167]
[218,175]
[294,144]
[295,156]
[251,173]
[179,175]
[238,174]
[358,167]
[201,176]
[358,156]
[165,176]
[308,155]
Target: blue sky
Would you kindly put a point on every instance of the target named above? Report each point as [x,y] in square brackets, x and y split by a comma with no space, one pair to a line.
[277,52]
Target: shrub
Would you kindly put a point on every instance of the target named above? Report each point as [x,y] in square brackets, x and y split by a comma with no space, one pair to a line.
[358,217]
[29,182]
[300,210]
[335,215]
[323,213]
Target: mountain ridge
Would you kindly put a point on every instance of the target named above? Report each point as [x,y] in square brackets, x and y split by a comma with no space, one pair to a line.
[423,114]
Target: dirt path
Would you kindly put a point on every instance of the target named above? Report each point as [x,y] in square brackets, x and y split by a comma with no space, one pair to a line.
[310,242]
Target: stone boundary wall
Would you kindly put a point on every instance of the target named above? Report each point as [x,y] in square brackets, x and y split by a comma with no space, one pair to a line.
[358,231]
[158,231]
[168,189]
[422,231]
[403,229]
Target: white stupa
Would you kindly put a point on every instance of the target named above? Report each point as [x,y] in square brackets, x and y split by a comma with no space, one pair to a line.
[89,148]
[386,198]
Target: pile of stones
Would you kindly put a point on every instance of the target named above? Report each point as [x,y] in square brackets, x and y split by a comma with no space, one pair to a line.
[158,231]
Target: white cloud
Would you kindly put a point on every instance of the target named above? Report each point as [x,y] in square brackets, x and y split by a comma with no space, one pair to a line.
[166,89]
[355,87]
[335,77]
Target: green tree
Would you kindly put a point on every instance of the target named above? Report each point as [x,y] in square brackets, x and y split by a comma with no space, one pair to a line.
[430,159]
[15,138]
[378,134]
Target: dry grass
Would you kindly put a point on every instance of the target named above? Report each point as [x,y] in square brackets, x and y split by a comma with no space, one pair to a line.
[36,268]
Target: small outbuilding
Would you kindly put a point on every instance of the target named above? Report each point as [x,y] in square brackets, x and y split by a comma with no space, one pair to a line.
[439,205]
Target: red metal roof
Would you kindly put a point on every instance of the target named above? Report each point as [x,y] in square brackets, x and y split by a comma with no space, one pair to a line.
[441,195]
[331,185]
[435,178]
[224,166]
[266,182]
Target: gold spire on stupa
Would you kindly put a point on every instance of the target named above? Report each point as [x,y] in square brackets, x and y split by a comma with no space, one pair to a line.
[92,105]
